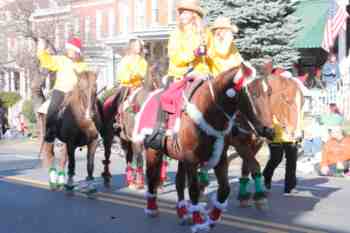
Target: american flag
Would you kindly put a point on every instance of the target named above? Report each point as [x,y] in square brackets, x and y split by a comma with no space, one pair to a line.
[336,20]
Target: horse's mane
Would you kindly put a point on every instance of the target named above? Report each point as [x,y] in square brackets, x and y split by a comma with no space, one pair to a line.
[77,101]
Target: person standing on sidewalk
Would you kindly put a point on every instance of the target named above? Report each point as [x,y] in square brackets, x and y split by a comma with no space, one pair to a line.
[331,77]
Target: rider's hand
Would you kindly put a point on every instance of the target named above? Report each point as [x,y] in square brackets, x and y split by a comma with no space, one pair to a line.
[41,44]
[200,51]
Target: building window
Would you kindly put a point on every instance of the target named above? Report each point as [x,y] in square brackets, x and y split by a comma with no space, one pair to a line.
[98,24]
[87,30]
[111,22]
[57,37]
[140,14]
[77,26]
[155,12]
[67,30]
[172,10]
[124,16]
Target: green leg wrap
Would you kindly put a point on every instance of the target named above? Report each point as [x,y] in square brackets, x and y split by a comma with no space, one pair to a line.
[243,189]
[339,172]
[52,177]
[259,189]
[203,177]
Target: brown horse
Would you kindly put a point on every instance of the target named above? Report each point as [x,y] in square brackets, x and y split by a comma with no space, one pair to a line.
[202,141]
[78,125]
[133,151]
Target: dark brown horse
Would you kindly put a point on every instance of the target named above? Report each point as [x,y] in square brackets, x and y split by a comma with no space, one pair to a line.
[202,141]
[78,125]
[123,130]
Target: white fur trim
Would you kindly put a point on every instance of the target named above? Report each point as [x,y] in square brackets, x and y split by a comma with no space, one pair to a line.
[199,120]
[217,204]
[61,179]
[151,212]
[150,195]
[70,46]
[286,74]
[139,137]
[177,125]
[182,203]
[195,208]
[53,176]
[201,227]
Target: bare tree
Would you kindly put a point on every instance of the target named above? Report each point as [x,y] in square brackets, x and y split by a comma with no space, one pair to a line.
[22,24]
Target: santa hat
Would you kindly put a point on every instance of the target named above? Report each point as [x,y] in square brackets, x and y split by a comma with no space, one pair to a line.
[74,44]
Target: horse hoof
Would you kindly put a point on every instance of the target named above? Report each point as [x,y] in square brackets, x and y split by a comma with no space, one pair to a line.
[53,187]
[200,228]
[185,221]
[244,204]
[261,204]
[152,213]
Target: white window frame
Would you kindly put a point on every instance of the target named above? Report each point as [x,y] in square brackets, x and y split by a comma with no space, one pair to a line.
[124,16]
[99,18]
[111,23]
[87,28]
[140,14]
[155,12]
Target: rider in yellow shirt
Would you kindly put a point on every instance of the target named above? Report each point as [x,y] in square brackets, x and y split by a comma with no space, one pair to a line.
[133,66]
[66,68]
[223,53]
[187,44]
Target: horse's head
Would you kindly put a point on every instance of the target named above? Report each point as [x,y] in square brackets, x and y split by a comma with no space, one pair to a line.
[153,80]
[87,90]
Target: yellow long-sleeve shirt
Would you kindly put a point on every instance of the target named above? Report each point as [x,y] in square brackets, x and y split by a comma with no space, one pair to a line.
[132,71]
[286,135]
[219,63]
[181,49]
[65,67]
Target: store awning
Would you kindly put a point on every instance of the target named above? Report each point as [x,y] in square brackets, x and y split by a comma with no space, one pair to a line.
[313,15]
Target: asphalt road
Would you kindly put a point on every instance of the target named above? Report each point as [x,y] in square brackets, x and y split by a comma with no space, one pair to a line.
[27,206]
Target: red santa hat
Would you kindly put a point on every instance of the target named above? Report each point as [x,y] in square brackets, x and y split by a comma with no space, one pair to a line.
[74,44]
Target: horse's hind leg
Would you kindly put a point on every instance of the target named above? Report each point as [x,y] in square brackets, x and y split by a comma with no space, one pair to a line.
[71,167]
[130,170]
[107,144]
[219,201]
[182,206]
[153,163]
[62,166]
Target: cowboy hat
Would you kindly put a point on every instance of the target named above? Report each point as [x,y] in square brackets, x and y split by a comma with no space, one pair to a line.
[190,5]
[224,23]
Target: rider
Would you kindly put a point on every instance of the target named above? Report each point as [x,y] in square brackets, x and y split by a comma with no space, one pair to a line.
[132,72]
[224,55]
[66,66]
[186,50]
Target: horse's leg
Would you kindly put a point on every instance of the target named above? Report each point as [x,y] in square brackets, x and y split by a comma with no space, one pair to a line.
[107,144]
[71,167]
[90,166]
[140,181]
[182,206]
[220,200]
[194,192]
[129,171]
[62,165]
[153,164]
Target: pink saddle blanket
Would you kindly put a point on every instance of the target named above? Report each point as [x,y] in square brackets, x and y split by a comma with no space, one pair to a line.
[170,101]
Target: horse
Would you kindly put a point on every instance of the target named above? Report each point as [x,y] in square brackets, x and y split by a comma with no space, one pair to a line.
[202,141]
[124,129]
[79,122]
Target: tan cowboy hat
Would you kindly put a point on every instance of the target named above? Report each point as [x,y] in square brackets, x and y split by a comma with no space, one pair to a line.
[190,5]
[224,22]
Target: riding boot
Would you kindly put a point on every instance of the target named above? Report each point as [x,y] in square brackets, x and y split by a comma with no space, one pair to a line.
[156,140]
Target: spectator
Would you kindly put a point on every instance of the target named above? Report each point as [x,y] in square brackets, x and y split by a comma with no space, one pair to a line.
[333,118]
[330,77]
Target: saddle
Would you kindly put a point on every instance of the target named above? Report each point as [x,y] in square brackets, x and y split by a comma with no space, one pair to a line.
[163,109]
